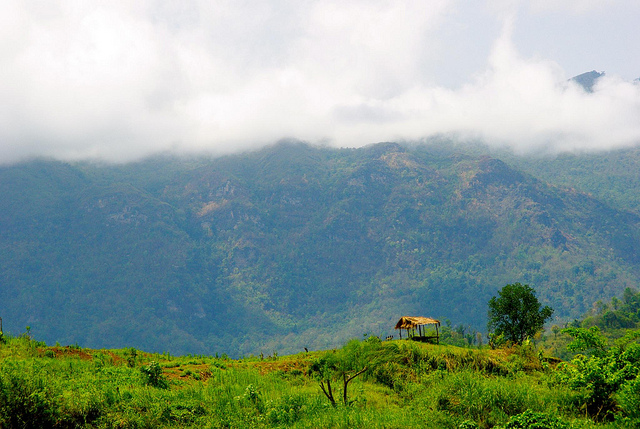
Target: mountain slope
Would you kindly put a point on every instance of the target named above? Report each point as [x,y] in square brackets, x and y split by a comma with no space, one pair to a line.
[293,246]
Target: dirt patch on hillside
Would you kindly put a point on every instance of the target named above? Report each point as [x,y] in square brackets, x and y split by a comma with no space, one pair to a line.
[82,354]
[66,352]
[199,372]
[286,366]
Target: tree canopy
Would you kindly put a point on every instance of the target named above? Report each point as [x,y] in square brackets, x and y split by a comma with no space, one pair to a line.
[516,313]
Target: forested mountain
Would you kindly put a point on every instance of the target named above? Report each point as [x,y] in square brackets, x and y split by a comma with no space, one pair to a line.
[297,246]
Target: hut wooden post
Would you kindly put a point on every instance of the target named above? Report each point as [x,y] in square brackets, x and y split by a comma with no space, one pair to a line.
[415,328]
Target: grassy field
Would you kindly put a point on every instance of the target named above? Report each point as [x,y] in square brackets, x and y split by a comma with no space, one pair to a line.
[404,384]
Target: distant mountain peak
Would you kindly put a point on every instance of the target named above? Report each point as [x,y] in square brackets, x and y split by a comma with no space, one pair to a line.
[587,80]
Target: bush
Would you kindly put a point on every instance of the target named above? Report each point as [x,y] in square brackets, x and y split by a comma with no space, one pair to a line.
[132,354]
[608,375]
[25,403]
[485,400]
[533,420]
[629,399]
[153,375]
[287,410]
[184,412]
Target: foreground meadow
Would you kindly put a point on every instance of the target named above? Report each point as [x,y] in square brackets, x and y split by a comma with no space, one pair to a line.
[392,384]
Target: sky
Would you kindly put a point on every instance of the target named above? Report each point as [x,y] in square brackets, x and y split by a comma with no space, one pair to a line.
[119,80]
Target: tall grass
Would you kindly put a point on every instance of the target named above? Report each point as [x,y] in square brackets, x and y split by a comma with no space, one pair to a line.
[407,385]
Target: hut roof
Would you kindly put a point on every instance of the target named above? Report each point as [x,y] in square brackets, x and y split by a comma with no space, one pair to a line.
[408,322]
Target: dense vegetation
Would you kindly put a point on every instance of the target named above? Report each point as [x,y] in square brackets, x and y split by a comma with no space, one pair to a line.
[295,246]
[376,384]
[612,320]
[611,177]
[399,384]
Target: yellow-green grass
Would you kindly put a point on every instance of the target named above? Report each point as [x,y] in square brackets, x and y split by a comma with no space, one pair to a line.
[407,385]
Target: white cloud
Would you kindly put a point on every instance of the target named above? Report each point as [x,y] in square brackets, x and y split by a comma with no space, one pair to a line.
[574,6]
[119,80]
[562,6]
[523,103]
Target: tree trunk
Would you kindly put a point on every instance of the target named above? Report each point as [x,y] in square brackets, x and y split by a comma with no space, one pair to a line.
[328,393]
[346,382]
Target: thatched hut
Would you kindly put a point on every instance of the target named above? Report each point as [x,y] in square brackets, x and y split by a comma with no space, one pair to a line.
[413,324]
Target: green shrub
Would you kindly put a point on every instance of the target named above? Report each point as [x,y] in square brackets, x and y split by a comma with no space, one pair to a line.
[605,376]
[533,420]
[485,400]
[132,354]
[25,403]
[287,410]
[629,399]
[153,375]
[182,412]
[82,413]
[390,374]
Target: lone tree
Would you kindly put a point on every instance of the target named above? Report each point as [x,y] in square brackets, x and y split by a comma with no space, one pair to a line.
[516,313]
[328,368]
[343,365]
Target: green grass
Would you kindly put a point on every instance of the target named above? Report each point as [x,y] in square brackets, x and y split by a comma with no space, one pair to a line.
[407,385]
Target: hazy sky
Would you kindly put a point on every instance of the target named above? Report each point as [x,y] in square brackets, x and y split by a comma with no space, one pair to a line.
[122,79]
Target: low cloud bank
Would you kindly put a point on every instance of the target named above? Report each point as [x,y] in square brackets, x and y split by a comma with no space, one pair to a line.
[119,81]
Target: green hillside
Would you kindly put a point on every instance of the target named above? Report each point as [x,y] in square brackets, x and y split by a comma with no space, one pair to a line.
[296,246]
[612,177]
[393,384]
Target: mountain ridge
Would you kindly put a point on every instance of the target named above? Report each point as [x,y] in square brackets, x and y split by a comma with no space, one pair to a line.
[587,80]
[294,245]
